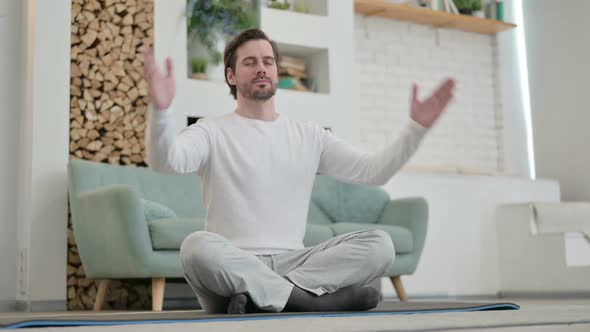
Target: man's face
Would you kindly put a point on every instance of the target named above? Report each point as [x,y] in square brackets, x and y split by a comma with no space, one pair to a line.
[256,75]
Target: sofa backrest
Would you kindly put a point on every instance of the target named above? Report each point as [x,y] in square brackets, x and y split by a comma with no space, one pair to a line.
[336,201]
[331,200]
[181,193]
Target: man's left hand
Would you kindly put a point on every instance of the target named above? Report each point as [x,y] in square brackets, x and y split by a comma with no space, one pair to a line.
[428,111]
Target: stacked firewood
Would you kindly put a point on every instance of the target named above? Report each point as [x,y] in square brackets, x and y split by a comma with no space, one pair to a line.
[108,109]
[108,90]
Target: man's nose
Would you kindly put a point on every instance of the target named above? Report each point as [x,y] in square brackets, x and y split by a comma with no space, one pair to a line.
[260,69]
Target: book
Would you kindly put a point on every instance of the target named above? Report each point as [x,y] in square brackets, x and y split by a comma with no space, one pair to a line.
[292,83]
[287,71]
[292,62]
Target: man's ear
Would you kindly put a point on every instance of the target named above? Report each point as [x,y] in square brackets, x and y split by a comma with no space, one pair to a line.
[230,76]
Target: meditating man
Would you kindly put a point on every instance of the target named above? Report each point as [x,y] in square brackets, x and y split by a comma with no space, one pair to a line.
[257,170]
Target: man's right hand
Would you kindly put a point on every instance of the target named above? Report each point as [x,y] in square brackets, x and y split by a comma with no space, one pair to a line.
[161,87]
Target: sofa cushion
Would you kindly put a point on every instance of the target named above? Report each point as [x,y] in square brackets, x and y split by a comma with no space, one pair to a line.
[345,202]
[316,234]
[154,210]
[317,216]
[402,238]
[168,233]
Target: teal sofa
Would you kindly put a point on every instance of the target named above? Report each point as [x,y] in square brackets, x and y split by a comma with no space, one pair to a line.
[129,222]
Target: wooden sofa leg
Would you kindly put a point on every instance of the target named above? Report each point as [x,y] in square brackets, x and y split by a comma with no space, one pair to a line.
[399,288]
[101,294]
[158,285]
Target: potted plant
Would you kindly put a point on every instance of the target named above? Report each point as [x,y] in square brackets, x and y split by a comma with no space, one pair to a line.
[301,7]
[199,67]
[282,5]
[211,23]
[467,7]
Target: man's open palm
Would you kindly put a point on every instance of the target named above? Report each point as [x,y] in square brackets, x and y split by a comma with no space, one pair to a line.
[162,87]
[428,111]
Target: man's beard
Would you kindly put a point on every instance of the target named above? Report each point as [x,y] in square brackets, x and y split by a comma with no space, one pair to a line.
[250,91]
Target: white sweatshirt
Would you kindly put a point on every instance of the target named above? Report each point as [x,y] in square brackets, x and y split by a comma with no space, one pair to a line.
[257,176]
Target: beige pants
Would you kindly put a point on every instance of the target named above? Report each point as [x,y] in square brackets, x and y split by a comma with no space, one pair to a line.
[216,270]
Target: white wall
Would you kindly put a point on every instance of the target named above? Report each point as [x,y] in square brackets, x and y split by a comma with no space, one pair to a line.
[10,109]
[42,200]
[484,129]
[461,253]
[391,55]
[558,52]
[512,100]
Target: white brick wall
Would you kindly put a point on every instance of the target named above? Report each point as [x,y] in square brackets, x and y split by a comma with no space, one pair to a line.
[390,55]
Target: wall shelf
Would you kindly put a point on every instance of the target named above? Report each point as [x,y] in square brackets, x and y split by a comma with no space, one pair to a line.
[303,36]
[427,16]
[223,86]
[316,37]
[315,7]
[316,60]
[296,28]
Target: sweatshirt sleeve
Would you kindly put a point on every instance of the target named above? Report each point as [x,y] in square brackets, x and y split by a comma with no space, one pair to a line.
[173,153]
[344,162]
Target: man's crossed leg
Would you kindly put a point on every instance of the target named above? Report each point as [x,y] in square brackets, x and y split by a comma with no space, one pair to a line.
[330,276]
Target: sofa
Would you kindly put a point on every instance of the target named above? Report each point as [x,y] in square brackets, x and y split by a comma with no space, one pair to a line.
[129,222]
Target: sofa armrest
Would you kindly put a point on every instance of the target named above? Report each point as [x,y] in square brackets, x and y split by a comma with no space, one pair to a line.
[410,213]
[111,232]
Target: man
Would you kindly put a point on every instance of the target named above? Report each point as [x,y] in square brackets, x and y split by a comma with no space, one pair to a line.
[257,169]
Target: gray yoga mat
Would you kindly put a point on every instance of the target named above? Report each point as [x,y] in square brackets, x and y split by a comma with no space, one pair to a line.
[133,318]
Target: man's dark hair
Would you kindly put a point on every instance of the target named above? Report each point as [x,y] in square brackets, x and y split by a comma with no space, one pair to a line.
[230,56]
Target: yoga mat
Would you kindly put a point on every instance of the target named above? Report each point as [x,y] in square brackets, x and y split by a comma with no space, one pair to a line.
[106,318]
